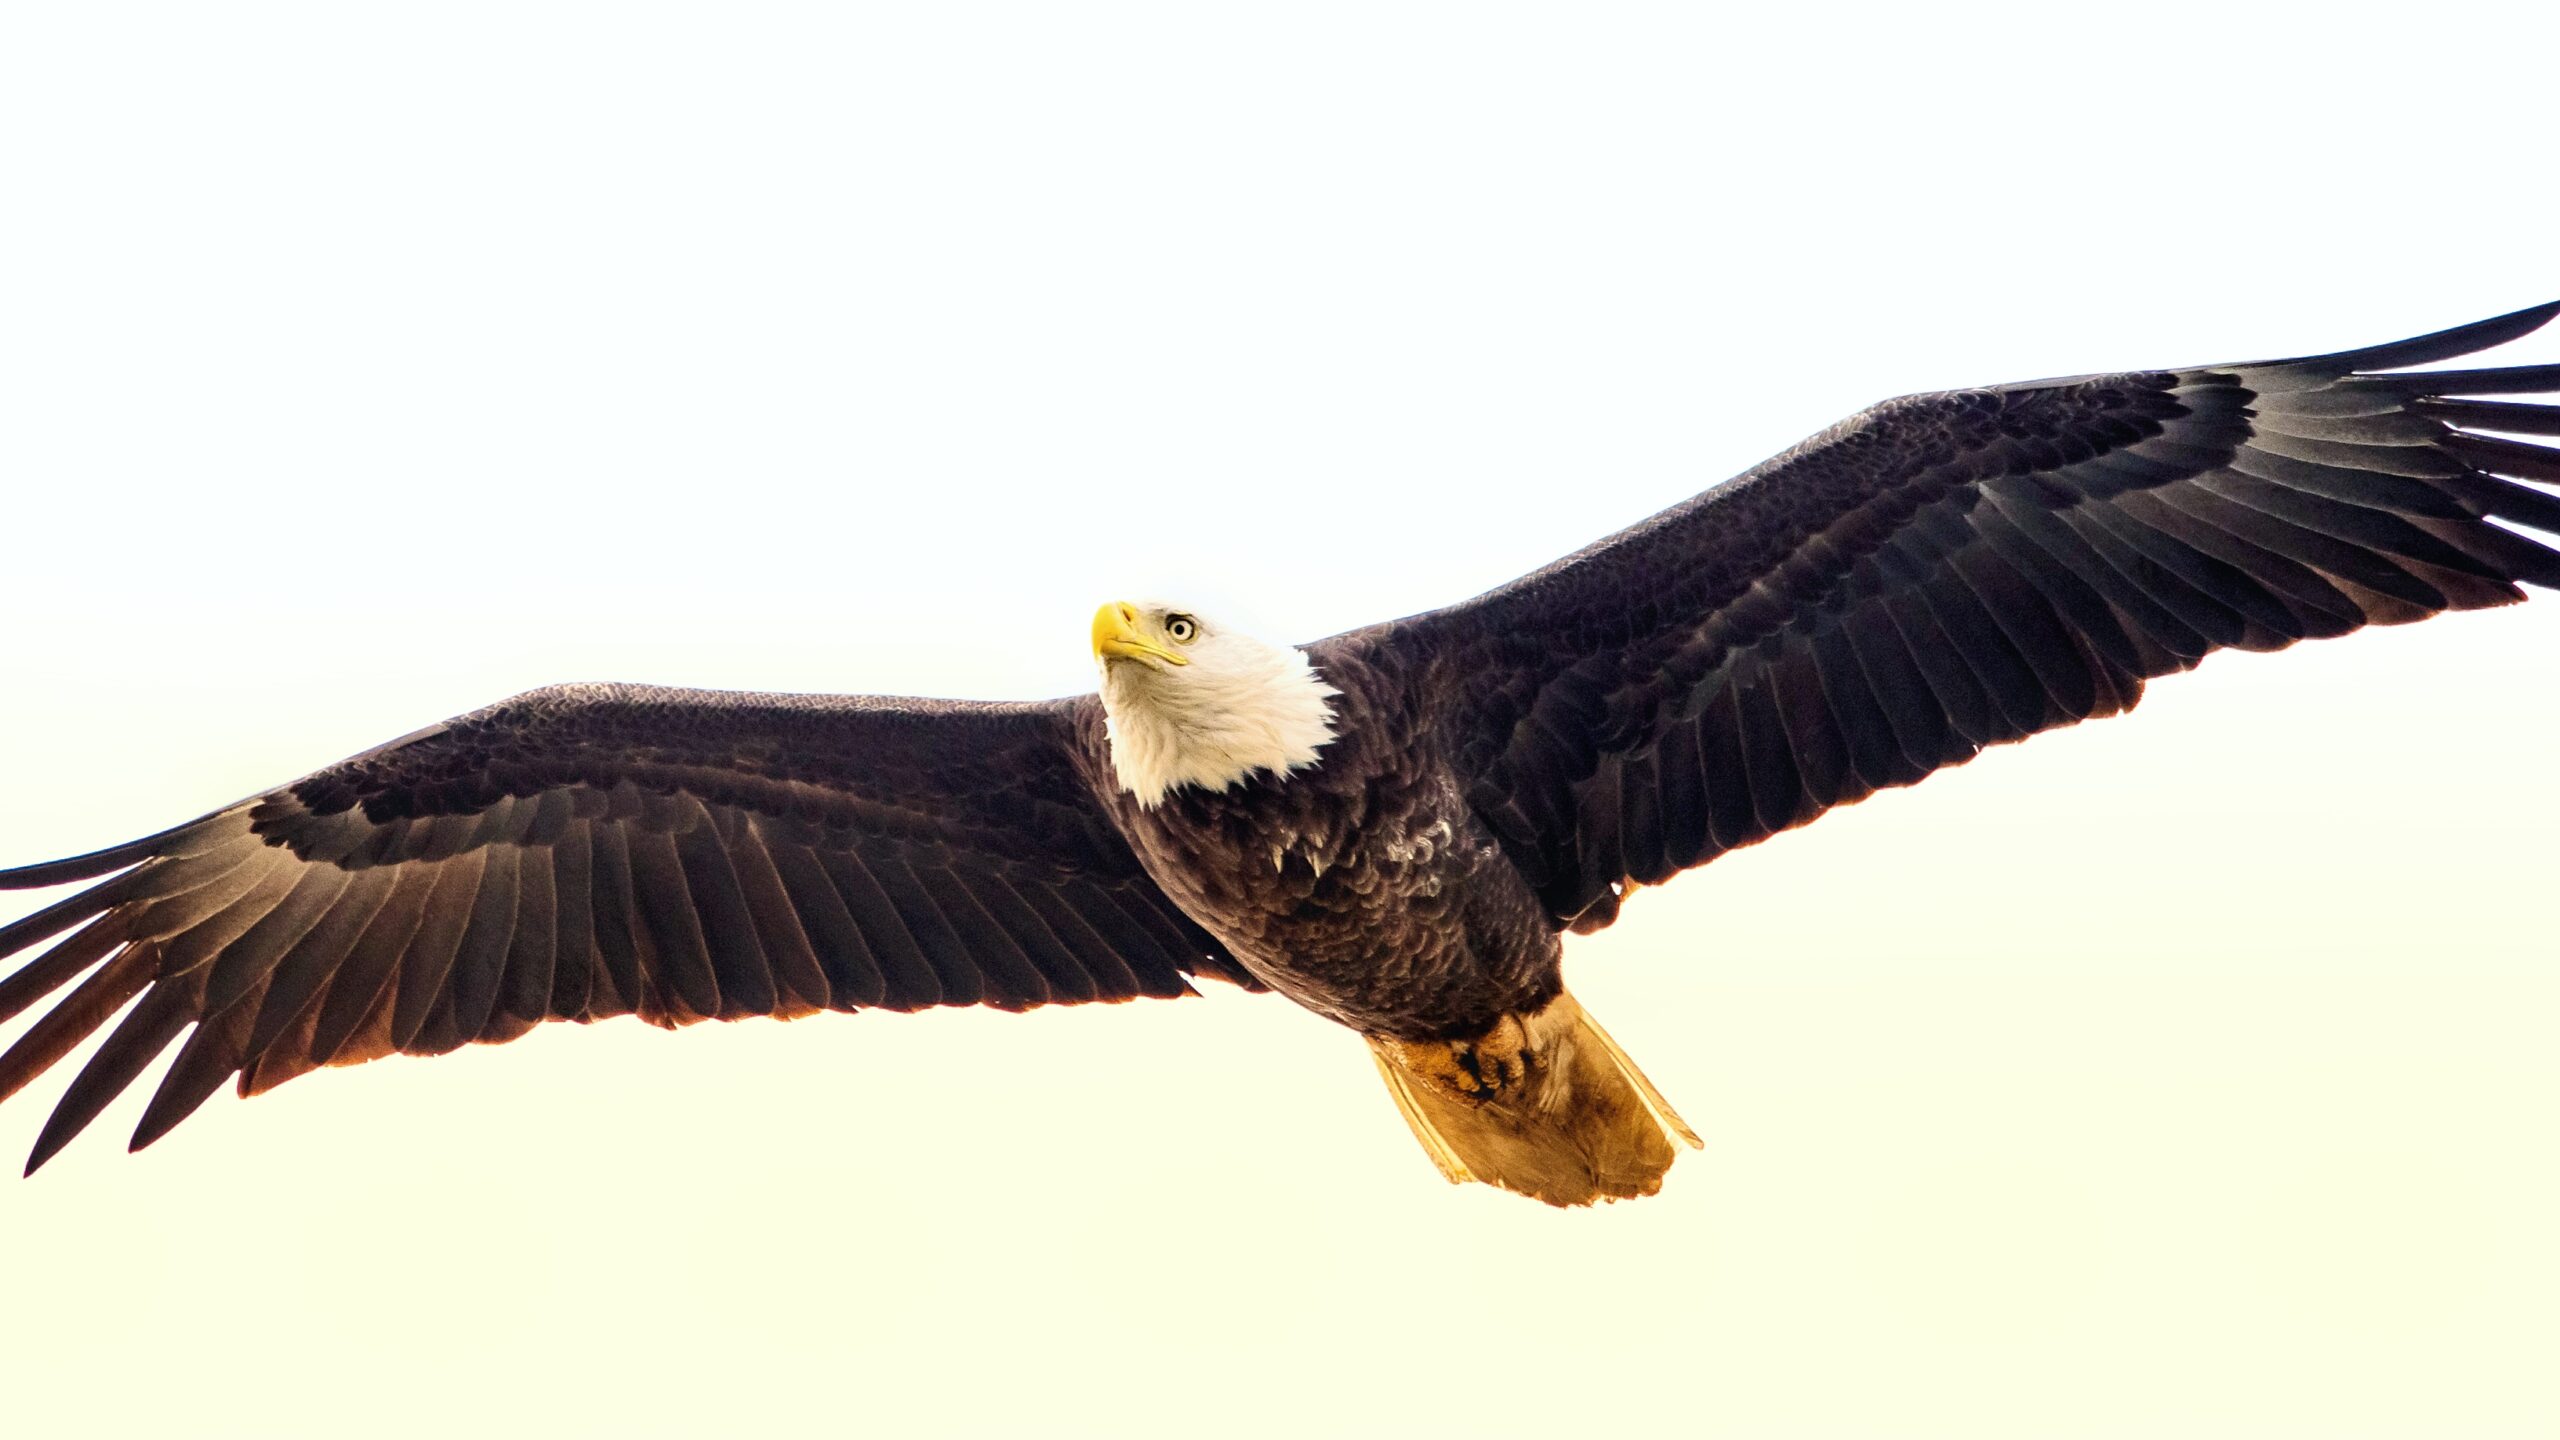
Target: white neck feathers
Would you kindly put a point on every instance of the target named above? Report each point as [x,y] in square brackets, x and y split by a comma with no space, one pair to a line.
[1239,709]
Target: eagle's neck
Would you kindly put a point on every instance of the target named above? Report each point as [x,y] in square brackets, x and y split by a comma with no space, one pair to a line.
[1245,710]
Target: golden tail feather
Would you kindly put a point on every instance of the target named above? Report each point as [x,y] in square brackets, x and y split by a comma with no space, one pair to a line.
[1544,1104]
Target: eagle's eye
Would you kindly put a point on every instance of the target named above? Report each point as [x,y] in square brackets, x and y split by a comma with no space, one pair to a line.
[1182,628]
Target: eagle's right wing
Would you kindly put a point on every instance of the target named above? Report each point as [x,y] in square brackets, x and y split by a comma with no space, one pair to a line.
[589,851]
[1946,572]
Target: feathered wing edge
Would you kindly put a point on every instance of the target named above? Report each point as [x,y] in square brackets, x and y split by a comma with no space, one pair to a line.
[276,940]
[1948,572]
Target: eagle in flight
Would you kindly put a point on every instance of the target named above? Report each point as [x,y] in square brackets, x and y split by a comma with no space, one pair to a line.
[1391,827]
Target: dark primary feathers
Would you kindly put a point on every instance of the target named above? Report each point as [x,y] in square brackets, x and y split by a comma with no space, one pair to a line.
[590,851]
[1946,572]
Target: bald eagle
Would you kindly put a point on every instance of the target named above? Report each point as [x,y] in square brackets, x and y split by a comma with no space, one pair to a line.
[1391,827]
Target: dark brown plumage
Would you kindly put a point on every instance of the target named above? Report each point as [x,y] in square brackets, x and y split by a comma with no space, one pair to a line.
[590,851]
[1938,574]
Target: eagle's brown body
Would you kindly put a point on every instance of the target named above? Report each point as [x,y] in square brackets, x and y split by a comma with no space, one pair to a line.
[1368,891]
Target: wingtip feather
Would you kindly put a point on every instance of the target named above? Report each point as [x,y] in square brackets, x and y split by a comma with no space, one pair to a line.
[2437,345]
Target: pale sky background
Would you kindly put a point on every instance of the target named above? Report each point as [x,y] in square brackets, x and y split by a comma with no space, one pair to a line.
[2189,1074]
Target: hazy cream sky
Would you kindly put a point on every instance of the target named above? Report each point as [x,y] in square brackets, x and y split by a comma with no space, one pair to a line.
[2190,1074]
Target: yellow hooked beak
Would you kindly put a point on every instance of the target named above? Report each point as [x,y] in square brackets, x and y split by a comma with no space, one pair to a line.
[1115,636]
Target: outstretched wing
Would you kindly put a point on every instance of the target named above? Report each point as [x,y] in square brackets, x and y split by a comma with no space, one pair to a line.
[1946,572]
[588,851]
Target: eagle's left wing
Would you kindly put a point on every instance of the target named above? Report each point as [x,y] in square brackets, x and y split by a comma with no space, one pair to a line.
[1945,572]
[596,850]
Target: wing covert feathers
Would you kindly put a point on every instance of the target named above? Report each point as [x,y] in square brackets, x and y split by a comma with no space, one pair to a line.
[583,853]
[1948,572]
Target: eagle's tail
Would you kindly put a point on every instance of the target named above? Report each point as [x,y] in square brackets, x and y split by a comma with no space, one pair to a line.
[1544,1104]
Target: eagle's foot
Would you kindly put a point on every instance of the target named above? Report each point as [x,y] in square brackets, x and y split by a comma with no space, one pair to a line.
[1543,1103]
[1491,1066]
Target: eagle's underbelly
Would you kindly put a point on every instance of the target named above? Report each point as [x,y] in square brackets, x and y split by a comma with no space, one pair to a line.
[1389,908]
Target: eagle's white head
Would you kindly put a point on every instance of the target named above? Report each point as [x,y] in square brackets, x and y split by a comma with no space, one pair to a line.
[1193,704]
